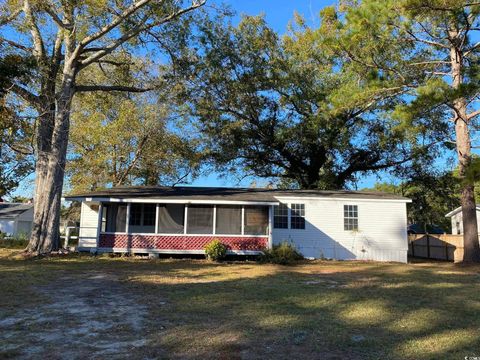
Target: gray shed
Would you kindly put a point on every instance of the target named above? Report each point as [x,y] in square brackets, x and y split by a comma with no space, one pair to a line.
[16,218]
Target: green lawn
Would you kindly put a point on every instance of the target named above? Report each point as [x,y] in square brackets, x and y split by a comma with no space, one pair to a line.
[81,306]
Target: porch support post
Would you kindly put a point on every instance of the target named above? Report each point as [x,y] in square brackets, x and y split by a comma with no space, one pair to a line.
[185,220]
[214,218]
[243,220]
[99,225]
[127,224]
[157,210]
[270,223]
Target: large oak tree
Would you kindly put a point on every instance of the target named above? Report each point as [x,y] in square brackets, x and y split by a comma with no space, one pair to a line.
[66,38]
[292,110]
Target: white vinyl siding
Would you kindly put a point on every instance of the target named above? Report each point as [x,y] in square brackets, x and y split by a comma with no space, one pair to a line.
[382,235]
[457,223]
[88,225]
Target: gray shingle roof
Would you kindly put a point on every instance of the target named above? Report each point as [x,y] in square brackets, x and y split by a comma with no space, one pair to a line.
[223,193]
[12,210]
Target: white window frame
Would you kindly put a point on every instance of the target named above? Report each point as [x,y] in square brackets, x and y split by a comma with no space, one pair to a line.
[346,209]
[283,216]
[296,216]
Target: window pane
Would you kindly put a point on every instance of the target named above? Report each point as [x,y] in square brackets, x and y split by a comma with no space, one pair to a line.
[280,216]
[350,213]
[280,210]
[115,217]
[142,218]
[229,220]
[135,214]
[149,211]
[256,220]
[298,222]
[200,219]
[298,216]
[171,218]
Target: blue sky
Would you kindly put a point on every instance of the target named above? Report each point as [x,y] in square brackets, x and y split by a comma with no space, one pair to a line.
[279,12]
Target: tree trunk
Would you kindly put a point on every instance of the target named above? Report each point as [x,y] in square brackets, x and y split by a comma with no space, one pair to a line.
[50,169]
[464,153]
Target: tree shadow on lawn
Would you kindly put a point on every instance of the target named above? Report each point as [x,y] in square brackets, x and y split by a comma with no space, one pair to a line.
[198,309]
[371,313]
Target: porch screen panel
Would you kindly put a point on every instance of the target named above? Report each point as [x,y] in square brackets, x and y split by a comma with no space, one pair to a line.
[200,219]
[229,220]
[171,218]
[114,217]
[256,220]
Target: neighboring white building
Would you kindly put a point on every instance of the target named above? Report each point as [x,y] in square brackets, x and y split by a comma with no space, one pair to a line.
[16,219]
[457,220]
[321,224]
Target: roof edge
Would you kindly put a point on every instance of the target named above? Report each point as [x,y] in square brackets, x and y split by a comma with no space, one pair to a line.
[457,210]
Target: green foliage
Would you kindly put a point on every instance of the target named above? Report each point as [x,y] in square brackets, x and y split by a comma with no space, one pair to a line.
[215,250]
[293,109]
[19,242]
[283,254]
[433,196]
[16,160]
[120,139]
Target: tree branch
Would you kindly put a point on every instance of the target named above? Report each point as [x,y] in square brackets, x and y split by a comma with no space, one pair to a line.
[474,47]
[54,16]
[135,31]
[473,114]
[137,5]
[425,41]
[16,45]
[25,94]
[35,31]
[8,18]
[86,88]
[136,157]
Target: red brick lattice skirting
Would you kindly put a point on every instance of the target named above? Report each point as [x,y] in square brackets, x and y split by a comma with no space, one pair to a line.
[180,242]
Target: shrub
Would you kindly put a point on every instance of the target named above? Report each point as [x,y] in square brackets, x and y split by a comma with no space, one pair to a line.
[283,254]
[13,243]
[215,250]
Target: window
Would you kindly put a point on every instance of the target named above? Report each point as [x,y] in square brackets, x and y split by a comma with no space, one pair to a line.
[256,220]
[142,218]
[280,216]
[171,218]
[114,217]
[228,220]
[200,219]
[135,214]
[297,220]
[350,215]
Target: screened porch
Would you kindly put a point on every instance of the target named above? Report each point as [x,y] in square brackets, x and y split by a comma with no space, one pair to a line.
[187,219]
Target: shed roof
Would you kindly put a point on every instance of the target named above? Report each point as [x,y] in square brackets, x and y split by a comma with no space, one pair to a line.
[224,193]
[13,210]
[457,210]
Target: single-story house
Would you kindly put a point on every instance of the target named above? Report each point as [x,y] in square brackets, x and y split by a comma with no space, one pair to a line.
[321,224]
[457,220]
[16,219]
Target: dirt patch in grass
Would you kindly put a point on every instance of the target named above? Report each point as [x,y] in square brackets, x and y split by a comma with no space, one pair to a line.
[98,307]
[88,312]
